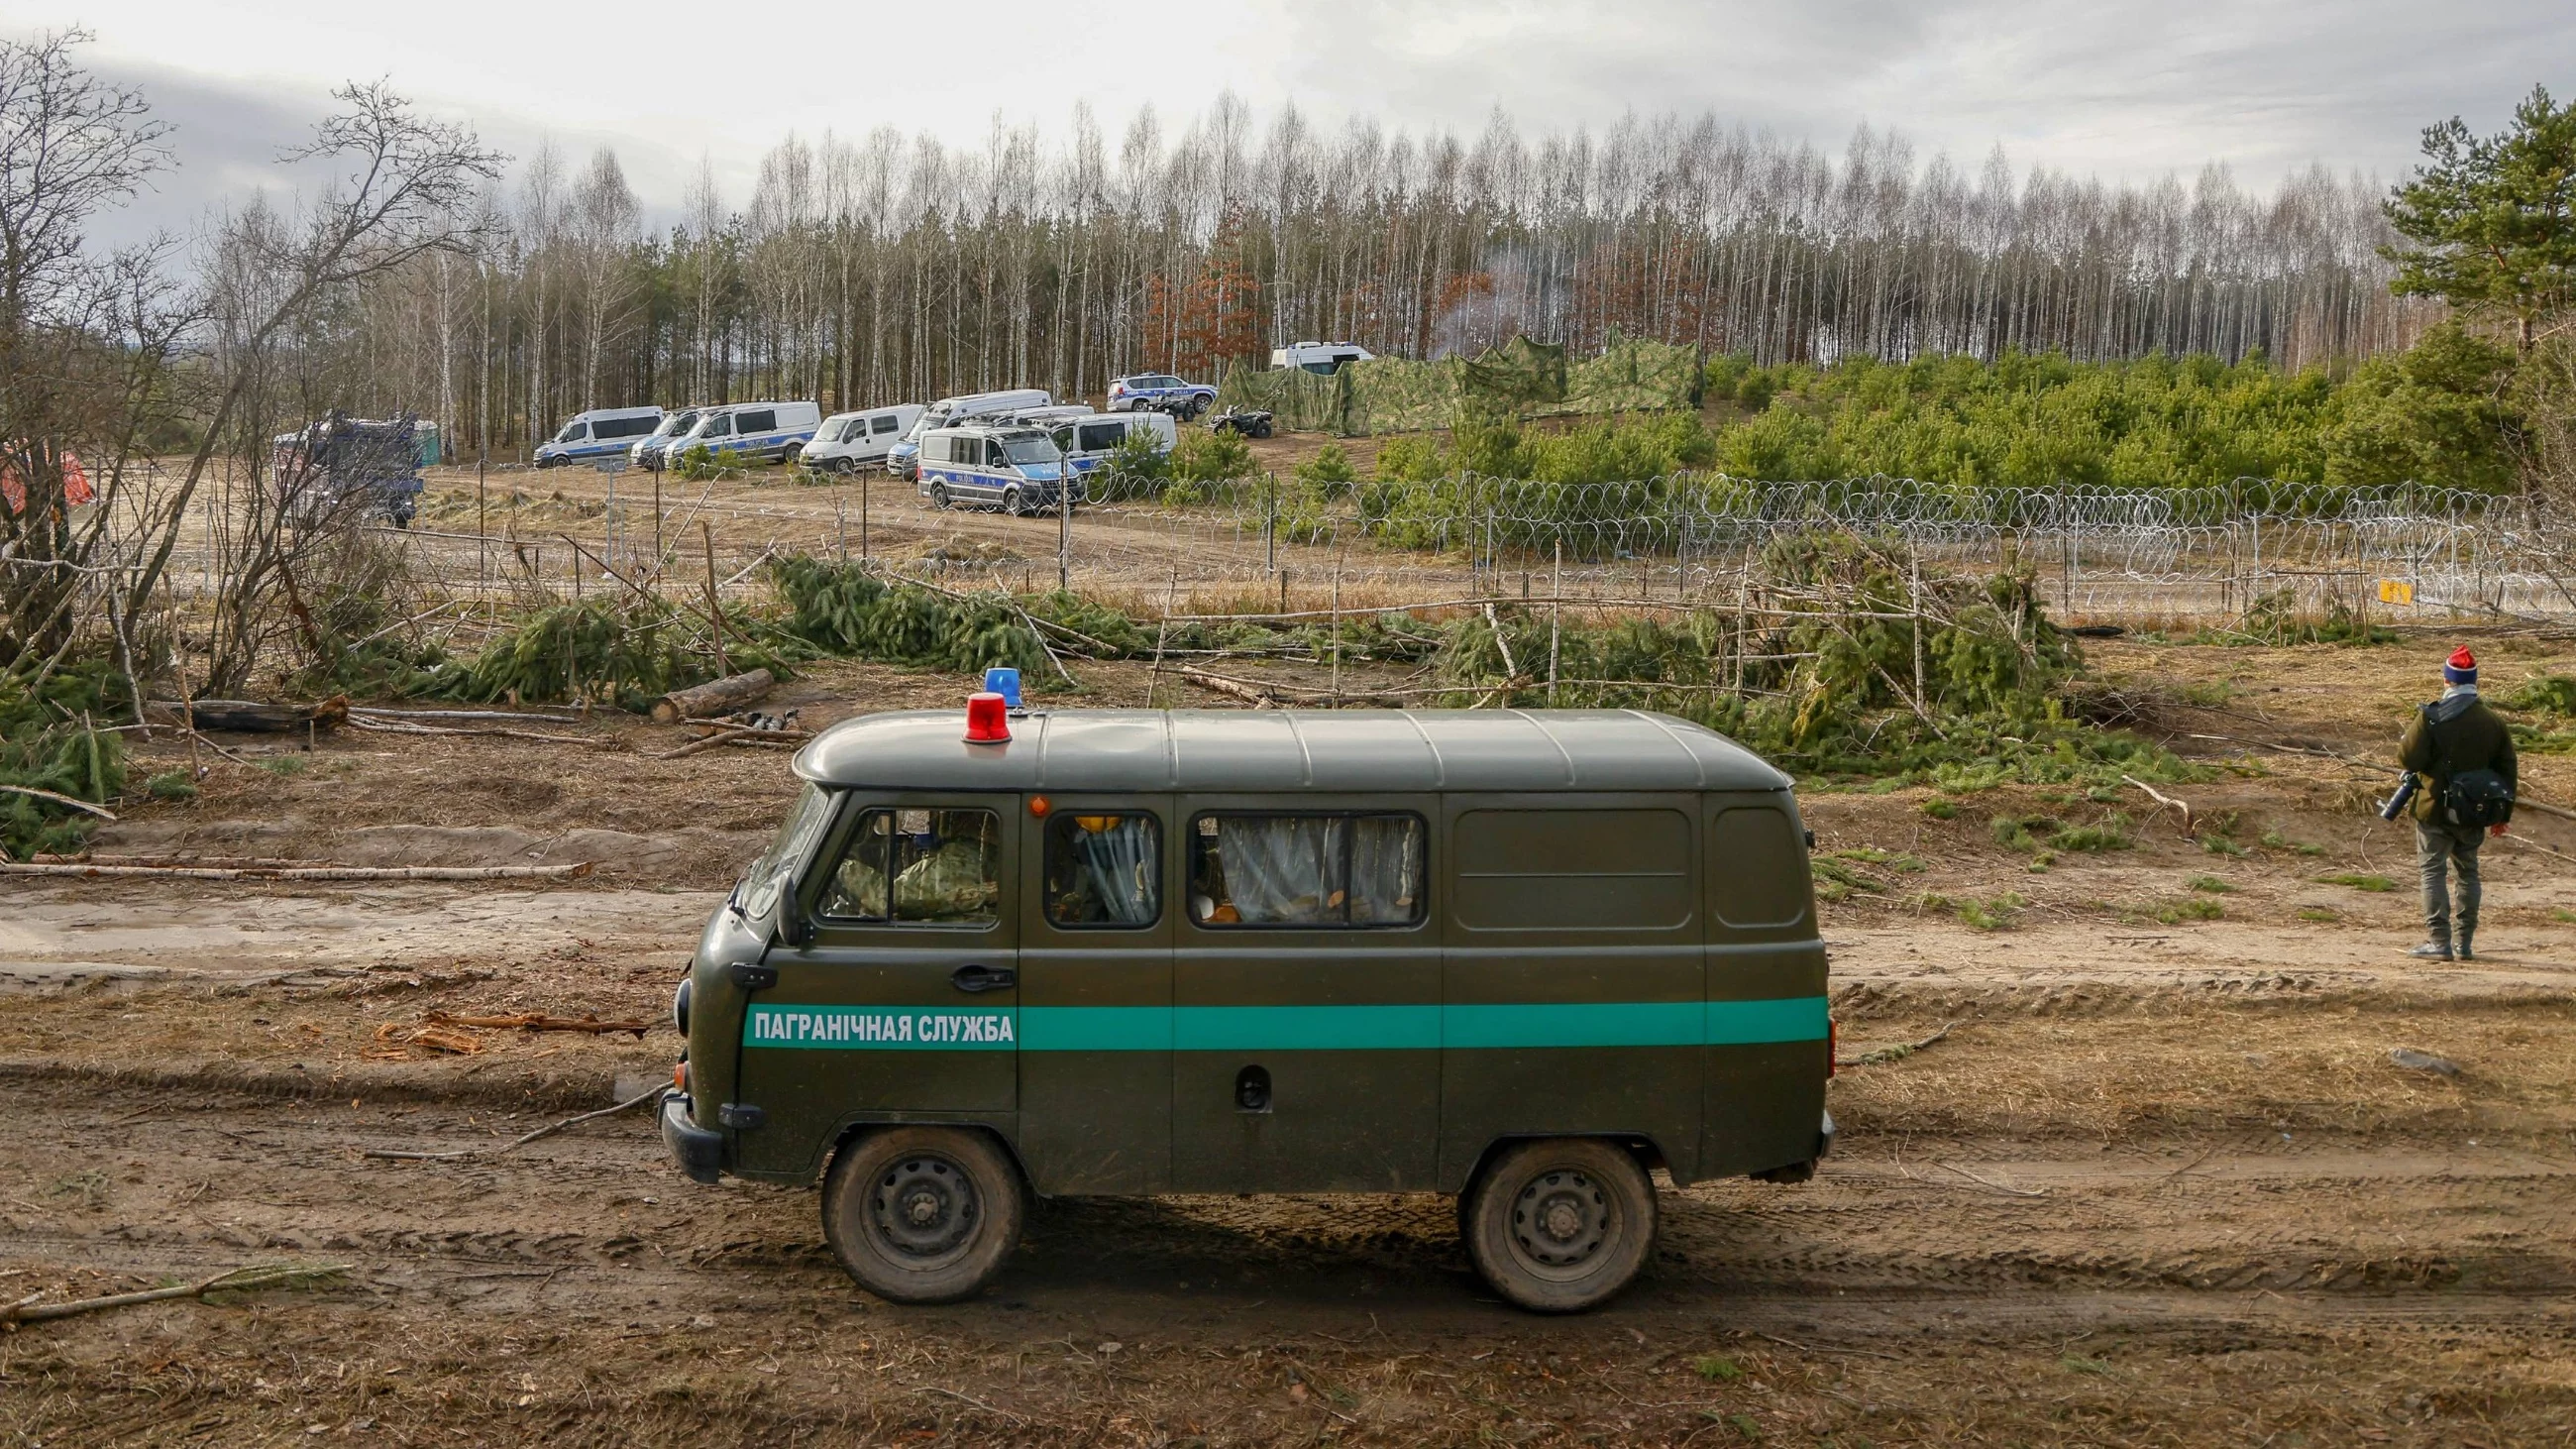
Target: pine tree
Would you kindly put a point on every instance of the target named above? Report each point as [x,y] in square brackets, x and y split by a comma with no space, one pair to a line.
[2493,219]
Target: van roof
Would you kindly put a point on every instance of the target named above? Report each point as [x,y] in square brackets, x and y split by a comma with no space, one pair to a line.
[1321,750]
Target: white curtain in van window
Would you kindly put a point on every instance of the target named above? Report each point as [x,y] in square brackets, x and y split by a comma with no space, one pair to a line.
[1386,871]
[1283,870]
[1118,864]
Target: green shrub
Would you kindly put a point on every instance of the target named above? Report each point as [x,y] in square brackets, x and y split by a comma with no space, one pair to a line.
[1205,455]
[2548,693]
[1137,468]
[2210,884]
[49,740]
[2372,883]
[2113,831]
[844,609]
[1939,809]
[1329,470]
[171,785]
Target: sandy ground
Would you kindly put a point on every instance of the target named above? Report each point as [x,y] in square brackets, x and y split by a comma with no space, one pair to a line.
[2159,1183]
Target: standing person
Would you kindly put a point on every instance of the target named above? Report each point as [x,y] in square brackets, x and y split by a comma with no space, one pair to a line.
[2462,756]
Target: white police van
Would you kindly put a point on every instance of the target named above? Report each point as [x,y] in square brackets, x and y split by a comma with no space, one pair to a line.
[598,434]
[1320,358]
[648,450]
[848,442]
[769,432]
[1087,441]
[901,458]
[1014,469]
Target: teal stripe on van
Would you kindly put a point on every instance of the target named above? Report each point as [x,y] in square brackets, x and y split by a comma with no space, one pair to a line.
[1289,1028]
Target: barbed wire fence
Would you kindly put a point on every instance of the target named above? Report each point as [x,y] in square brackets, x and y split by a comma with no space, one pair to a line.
[2188,557]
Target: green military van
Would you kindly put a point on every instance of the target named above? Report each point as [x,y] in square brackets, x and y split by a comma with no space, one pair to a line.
[1522,957]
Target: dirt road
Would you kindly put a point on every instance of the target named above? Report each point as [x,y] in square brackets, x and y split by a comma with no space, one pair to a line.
[2161,1182]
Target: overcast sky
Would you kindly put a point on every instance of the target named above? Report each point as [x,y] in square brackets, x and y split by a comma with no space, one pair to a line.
[2123,91]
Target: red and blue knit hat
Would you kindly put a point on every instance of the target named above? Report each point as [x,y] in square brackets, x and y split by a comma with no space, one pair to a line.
[2461,667]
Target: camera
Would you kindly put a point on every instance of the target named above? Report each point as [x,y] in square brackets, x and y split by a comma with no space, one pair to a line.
[2395,805]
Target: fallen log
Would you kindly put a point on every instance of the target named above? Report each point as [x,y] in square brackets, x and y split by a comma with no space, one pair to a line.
[368,711]
[715,697]
[314,872]
[244,716]
[98,810]
[538,1021]
[232,1280]
[405,727]
[1257,697]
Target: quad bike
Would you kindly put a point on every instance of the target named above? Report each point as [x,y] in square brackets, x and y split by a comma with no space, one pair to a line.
[1248,422]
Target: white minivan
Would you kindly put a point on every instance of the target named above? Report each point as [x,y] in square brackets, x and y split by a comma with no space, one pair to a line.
[769,432]
[597,434]
[848,442]
[1087,442]
[901,459]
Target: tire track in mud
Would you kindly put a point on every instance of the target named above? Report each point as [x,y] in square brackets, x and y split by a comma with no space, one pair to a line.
[129,1180]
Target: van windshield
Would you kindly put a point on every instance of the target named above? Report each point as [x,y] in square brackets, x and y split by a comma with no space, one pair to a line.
[573,431]
[676,423]
[769,876]
[1030,450]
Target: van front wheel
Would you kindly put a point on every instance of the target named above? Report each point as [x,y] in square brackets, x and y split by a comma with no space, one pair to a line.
[1561,1224]
[922,1214]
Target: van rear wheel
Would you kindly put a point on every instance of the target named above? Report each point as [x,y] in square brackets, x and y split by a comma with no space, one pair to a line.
[1561,1224]
[938,495]
[922,1214]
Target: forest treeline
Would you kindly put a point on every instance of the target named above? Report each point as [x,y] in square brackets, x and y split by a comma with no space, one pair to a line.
[881,268]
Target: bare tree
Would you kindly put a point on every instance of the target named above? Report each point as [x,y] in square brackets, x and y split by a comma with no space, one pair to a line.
[85,342]
[404,189]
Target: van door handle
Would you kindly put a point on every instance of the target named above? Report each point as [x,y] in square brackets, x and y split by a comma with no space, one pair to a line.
[983,978]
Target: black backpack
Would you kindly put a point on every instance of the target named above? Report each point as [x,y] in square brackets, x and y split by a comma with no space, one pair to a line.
[2475,798]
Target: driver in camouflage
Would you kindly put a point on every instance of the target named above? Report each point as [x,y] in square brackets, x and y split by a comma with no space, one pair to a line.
[2448,738]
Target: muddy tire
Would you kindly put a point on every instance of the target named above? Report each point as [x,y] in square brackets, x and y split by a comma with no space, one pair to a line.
[1561,1224]
[922,1214]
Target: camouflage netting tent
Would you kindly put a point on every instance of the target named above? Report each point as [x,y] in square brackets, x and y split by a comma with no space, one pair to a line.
[1531,379]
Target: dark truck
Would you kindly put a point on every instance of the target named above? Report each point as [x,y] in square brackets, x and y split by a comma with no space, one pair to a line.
[1522,957]
[366,466]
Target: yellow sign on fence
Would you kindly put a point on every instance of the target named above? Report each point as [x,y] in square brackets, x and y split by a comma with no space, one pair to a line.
[2396,591]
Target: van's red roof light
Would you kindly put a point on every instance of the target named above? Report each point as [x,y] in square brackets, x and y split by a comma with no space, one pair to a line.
[988,720]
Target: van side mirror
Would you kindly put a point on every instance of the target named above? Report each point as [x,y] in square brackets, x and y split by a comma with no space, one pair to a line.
[795,928]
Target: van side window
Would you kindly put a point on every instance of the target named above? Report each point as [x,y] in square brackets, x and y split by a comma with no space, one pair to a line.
[1757,868]
[934,449]
[1104,870]
[1099,437]
[919,867]
[883,424]
[764,421]
[1306,870]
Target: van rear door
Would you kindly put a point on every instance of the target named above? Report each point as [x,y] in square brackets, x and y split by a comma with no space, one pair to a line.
[905,1001]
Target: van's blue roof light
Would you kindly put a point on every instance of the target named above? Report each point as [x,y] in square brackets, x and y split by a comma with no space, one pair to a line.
[1003,680]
